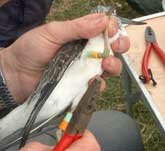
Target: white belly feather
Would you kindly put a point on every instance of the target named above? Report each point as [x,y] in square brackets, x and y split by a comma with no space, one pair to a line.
[71,88]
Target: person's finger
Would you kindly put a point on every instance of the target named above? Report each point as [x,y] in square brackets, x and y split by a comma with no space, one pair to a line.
[121,45]
[112,65]
[87,143]
[103,83]
[84,27]
[36,146]
[90,25]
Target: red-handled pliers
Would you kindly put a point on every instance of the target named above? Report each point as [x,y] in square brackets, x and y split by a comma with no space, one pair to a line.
[81,117]
[66,141]
[151,44]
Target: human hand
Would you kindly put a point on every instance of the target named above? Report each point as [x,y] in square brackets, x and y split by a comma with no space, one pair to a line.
[87,143]
[24,61]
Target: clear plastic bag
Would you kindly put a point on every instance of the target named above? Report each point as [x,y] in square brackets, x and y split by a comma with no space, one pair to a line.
[163,4]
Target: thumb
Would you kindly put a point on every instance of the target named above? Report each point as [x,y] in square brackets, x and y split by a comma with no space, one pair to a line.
[36,146]
[84,27]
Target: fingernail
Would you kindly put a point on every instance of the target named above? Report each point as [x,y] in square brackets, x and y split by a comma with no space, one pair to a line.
[121,44]
[112,63]
[112,32]
[115,67]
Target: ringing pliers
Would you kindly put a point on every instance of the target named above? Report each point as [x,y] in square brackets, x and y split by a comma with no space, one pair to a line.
[151,44]
[81,117]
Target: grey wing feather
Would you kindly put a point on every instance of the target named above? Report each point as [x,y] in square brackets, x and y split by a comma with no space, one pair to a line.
[53,72]
[58,65]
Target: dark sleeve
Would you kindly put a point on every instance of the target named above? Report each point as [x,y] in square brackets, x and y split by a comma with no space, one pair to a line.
[146,7]
[36,10]
[19,16]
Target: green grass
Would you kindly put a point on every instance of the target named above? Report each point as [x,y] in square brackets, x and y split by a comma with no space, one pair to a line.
[69,9]
[113,97]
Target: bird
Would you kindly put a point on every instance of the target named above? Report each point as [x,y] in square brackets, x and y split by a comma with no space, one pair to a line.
[70,89]
[71,84]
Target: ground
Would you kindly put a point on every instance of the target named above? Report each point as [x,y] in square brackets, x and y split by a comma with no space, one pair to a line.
[113,97]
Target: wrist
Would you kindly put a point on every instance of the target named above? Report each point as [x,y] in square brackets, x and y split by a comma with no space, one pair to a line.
[20,78]
[10,74]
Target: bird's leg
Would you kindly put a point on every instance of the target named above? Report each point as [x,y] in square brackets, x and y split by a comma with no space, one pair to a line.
[107,48]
